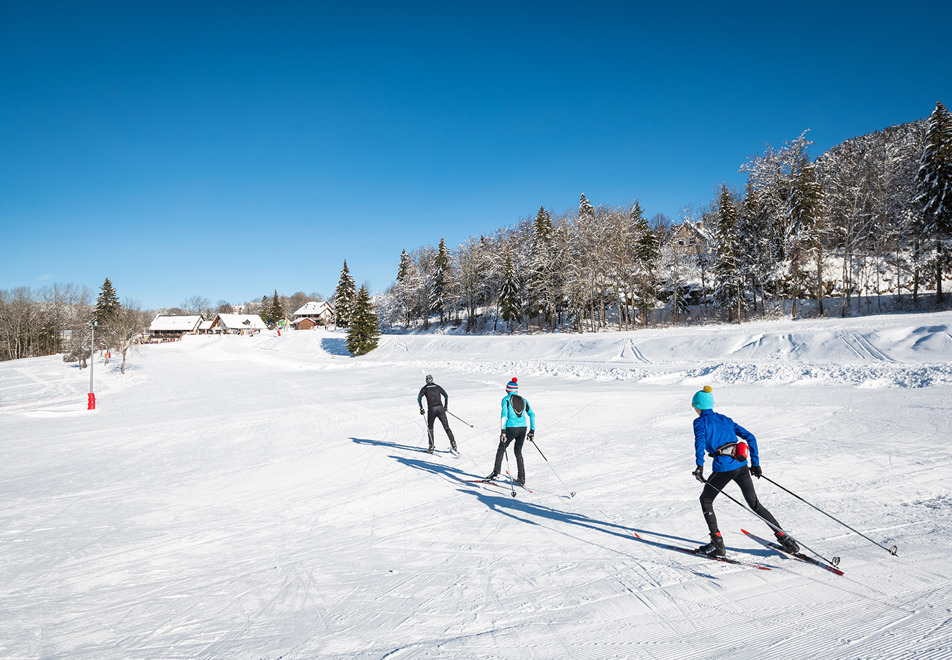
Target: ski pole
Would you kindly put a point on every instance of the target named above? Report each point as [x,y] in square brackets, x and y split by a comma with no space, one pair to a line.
[893,550]
[571,492]
[834,562]
[462,420]
[512,486]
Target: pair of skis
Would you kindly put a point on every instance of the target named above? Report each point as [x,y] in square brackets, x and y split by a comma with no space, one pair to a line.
[511,487]
[773,546]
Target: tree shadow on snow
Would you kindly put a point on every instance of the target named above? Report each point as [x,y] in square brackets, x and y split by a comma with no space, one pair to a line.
[515,507]
[335,346]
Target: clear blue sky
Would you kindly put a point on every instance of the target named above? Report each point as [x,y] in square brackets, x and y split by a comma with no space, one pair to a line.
[228,149]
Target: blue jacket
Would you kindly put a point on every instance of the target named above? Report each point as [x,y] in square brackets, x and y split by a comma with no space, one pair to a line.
[509,418]
[712,431]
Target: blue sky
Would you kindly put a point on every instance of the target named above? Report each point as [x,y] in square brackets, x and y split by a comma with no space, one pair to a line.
[230,149]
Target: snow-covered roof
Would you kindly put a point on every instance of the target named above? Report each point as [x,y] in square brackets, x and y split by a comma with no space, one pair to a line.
[175,323]
[205,325]
[241,322]
[314,308]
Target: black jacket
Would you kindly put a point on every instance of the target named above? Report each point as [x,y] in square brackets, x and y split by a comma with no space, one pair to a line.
[435,396]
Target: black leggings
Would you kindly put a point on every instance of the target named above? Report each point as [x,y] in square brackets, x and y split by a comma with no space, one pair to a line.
[517,433]
[434,412]
[718,480]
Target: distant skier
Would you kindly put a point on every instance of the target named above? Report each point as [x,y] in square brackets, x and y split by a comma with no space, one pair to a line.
[516,417]
[717,436]
[437,401]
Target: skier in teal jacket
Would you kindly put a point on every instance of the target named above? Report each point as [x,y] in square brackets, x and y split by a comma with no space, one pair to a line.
[516,417]
[716,435]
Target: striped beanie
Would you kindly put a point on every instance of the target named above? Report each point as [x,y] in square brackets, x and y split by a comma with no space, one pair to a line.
[513,386]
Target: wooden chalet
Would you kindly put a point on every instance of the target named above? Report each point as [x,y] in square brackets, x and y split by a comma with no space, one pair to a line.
[237,324]
[318,312]
[164,327]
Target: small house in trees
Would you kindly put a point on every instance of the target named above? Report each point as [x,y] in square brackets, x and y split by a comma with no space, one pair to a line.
[688,241]
[305,323]
[319,312]
[237,324]
[173,327]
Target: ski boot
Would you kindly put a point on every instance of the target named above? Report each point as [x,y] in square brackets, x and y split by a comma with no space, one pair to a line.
[715,548]
[492,476]
[453,448]
[788,543]
[430,449]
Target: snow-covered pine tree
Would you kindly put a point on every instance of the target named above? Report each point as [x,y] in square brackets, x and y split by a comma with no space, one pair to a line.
[509,294]
[441,267]
[807,228]
[728,288]
[934,180]
[344,297]
[758,246]
[363,333]
[539,283]
[406,283]
[647,259]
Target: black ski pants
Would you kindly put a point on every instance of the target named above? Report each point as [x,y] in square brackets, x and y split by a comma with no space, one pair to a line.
[432,414]
[719,480]
[517,433]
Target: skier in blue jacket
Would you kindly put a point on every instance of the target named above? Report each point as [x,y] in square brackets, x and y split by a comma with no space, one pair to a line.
[716,435]
[516,417]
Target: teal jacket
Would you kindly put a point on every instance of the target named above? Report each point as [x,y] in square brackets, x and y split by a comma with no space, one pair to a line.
[510,419]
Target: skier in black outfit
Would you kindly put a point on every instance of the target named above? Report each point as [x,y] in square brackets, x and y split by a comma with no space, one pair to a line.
[437,401]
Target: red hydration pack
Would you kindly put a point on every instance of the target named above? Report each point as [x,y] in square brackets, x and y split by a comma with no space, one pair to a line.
[739,451]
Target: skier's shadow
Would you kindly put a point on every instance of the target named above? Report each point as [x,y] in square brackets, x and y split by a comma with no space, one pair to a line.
[504,503]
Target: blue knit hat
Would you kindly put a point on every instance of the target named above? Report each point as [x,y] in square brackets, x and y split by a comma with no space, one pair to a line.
[703,399]
[513,386]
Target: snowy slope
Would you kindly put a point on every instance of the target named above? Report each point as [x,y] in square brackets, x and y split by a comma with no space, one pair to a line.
[269,497]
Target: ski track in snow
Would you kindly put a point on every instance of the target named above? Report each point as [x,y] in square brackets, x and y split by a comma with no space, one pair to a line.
[270,497]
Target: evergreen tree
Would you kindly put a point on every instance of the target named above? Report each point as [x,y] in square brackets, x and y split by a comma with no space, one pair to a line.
[509,294]
[440,281]
[807,227]
[276,311]
[344,297]
[647,258]
[540,289]
[585,207]
[264,310]
[406,285]
[363,333]
[934,183]
[727,271]
[107,304]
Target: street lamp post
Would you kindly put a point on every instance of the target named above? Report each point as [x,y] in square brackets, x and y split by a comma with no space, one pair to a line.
[92,361]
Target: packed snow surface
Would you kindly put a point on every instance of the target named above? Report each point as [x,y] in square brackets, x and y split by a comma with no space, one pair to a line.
[270,497]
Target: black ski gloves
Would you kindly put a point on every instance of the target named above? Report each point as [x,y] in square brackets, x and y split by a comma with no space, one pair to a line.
[699,473]
[756,471]
[502,436]
[421,411]
[531,435]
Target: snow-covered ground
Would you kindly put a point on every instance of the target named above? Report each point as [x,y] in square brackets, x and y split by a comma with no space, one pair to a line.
[270,497]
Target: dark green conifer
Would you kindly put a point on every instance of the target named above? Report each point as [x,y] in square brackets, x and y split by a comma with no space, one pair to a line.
[344,298]
[363,333]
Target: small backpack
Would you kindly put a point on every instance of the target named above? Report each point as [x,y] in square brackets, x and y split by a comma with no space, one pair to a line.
[518,404]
